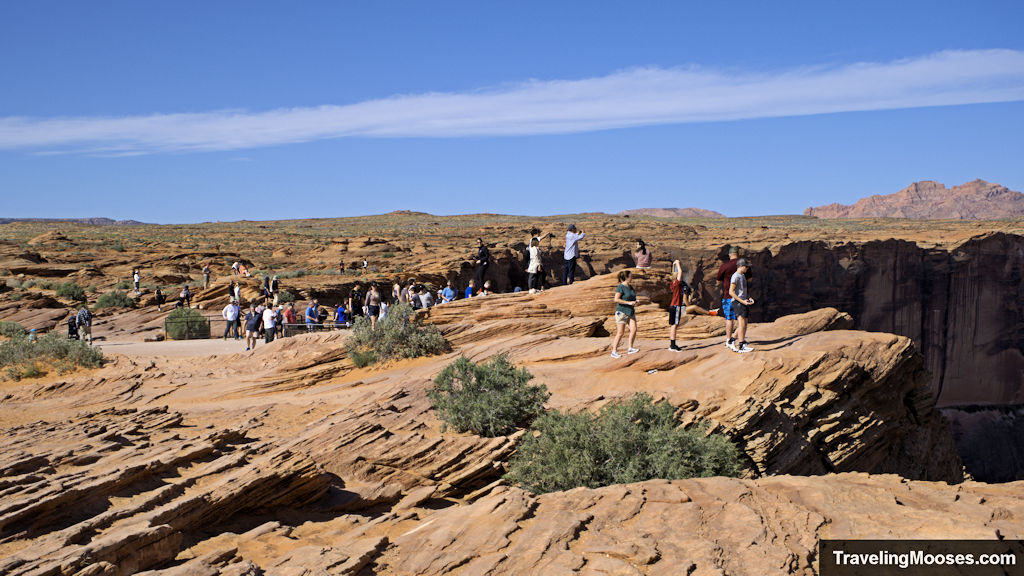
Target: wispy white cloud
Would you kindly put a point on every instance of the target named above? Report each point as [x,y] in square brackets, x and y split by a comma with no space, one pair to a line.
[635,97]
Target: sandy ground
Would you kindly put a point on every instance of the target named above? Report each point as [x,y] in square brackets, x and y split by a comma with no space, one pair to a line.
[175,348]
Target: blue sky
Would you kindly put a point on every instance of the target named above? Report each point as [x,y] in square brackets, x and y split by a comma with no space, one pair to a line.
[200,111]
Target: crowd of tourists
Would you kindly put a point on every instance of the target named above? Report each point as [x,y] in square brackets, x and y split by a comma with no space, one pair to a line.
[267,318]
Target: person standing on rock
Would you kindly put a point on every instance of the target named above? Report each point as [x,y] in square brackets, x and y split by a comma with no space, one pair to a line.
[252,327]
[206,276]
[159,299]
[724,277]
[275,289]
[677,306]
[483,260]
[625,314]
[572,253]
[533,269]
[372,303]
[84,324]
[642,256]
[356,300]
[186,297]
[135,279]
[740,301]
[230,314]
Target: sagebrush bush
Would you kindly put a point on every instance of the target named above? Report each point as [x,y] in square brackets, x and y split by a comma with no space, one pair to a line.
[21,358]
[627,441]
[71,291]
[397,335]
[186,324]
[285,296]
[115,299]
[489,399]
[12,329]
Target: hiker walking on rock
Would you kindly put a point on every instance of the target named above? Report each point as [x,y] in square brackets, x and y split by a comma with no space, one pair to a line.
[625,314]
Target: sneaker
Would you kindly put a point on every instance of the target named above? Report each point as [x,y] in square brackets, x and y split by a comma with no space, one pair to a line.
[615,354]
[632,351]
[743,348]
[675,348]
[246,349]
[731,345]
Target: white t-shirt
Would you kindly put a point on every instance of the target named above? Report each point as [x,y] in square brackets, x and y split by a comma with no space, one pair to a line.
[230,313]
[534,260]
[269,318]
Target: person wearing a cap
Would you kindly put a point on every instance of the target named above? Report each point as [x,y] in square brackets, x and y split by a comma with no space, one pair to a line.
[572,252]
[740,300]
[724,277]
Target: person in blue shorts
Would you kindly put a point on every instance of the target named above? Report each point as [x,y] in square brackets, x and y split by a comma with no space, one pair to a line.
[724,277]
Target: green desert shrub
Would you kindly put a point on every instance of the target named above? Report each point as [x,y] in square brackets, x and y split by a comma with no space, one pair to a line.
[11,329]
[115,299]
[363,358]
[285,296]
[292,273]
[398,335]
[489,399]
[71,291]
[186,324]
[23,359]
[627,441]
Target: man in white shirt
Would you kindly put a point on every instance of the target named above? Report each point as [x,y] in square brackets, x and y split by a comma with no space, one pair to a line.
[230,314]
[269,324]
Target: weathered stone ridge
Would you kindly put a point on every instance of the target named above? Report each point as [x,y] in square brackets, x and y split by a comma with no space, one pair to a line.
[975,200]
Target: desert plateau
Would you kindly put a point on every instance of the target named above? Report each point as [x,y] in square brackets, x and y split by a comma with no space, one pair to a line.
[883,399]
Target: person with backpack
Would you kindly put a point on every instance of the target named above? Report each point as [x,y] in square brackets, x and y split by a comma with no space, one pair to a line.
[185,297]
[84,321]
[73,327]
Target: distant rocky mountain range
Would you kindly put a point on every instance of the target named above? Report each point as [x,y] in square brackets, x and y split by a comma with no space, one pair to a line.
[93,221]
[977,200]
[673,213]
